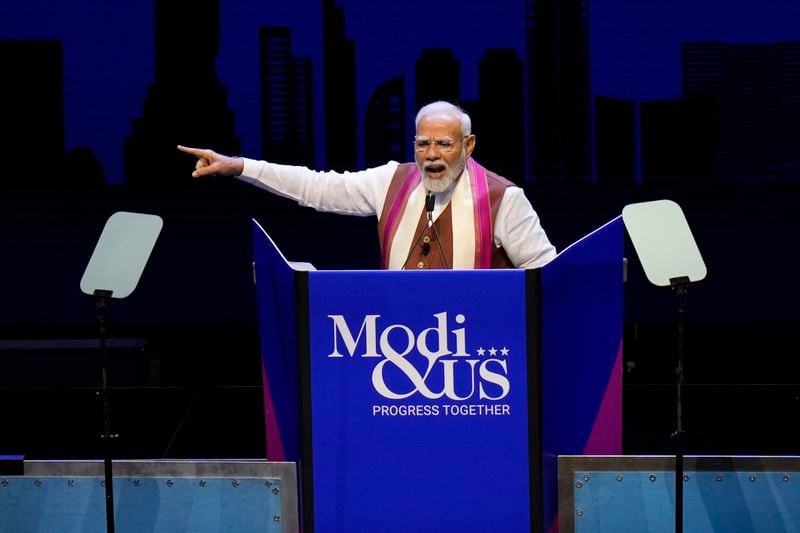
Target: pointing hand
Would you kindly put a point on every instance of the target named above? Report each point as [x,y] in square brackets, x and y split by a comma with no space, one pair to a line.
[210,163]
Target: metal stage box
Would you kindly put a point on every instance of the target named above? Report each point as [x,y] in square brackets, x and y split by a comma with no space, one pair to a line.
[637,493]
[163,496]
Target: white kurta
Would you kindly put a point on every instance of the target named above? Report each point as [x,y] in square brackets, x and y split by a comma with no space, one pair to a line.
[516,228]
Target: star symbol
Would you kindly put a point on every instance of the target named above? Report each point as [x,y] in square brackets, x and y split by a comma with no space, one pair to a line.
[492,351]
[504,351]
[481,351]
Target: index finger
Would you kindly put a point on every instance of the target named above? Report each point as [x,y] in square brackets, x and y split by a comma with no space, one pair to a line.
[197,152]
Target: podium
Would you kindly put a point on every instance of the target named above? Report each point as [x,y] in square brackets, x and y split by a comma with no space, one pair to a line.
[440,400]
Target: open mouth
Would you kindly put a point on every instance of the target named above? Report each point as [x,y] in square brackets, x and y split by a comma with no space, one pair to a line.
[435,171]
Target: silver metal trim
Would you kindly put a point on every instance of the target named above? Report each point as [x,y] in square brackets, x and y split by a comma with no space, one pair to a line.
[569,465]
[285,472]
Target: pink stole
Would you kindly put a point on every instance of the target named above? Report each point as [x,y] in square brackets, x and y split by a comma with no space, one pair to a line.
[482,214]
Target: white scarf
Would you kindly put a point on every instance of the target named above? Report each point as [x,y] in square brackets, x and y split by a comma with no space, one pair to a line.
[463,215]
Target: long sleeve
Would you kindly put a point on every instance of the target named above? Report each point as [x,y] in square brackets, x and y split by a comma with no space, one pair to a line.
[362,193]
[520,233]
[358,193]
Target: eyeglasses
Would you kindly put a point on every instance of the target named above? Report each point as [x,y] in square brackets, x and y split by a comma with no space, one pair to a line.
[421,144]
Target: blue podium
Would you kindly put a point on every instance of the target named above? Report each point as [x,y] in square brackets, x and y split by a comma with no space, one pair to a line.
[440,400]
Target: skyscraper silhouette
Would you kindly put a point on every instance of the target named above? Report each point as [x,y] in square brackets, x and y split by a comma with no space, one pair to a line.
[186,105]
[31,110]
[756,90]
[385,127]
[339,65]
[286,103]
[559,91]
[615,140]
[500,121]
[437,77]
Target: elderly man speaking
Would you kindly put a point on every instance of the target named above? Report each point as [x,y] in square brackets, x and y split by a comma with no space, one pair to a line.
[444,211]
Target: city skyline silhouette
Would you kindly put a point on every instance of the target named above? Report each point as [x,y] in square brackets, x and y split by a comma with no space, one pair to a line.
[307,33]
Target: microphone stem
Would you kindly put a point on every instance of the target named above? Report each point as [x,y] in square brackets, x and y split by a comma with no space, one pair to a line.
[439,244]
[430,200]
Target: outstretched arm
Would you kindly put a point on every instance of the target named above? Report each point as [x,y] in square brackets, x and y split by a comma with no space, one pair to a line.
[210,163]
[353,193]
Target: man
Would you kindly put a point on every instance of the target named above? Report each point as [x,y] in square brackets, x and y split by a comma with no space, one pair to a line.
[445,211]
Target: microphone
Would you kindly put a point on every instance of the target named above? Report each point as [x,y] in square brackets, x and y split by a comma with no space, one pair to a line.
[430,201]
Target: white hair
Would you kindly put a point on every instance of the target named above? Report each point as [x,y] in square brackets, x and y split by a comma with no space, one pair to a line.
[447,108]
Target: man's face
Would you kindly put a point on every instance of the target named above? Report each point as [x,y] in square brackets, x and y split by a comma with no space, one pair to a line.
[441,150]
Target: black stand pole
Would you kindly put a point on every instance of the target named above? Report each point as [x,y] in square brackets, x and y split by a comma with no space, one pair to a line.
[101,301]
[680,286]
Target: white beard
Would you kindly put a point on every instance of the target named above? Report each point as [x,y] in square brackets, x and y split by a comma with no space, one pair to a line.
[440,185]
[444,183]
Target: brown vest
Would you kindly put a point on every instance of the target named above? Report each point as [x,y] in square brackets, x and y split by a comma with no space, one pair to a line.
[426,250]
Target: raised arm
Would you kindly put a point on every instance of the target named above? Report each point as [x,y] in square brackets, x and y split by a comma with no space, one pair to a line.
[351,193]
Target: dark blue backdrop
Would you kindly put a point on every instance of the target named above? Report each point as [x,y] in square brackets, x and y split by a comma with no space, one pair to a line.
[643,128]
[109,50]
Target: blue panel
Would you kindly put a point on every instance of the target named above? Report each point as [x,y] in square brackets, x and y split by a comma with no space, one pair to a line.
[275,291]
[713,502]
[47,504]
[581,337]
[420,423]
